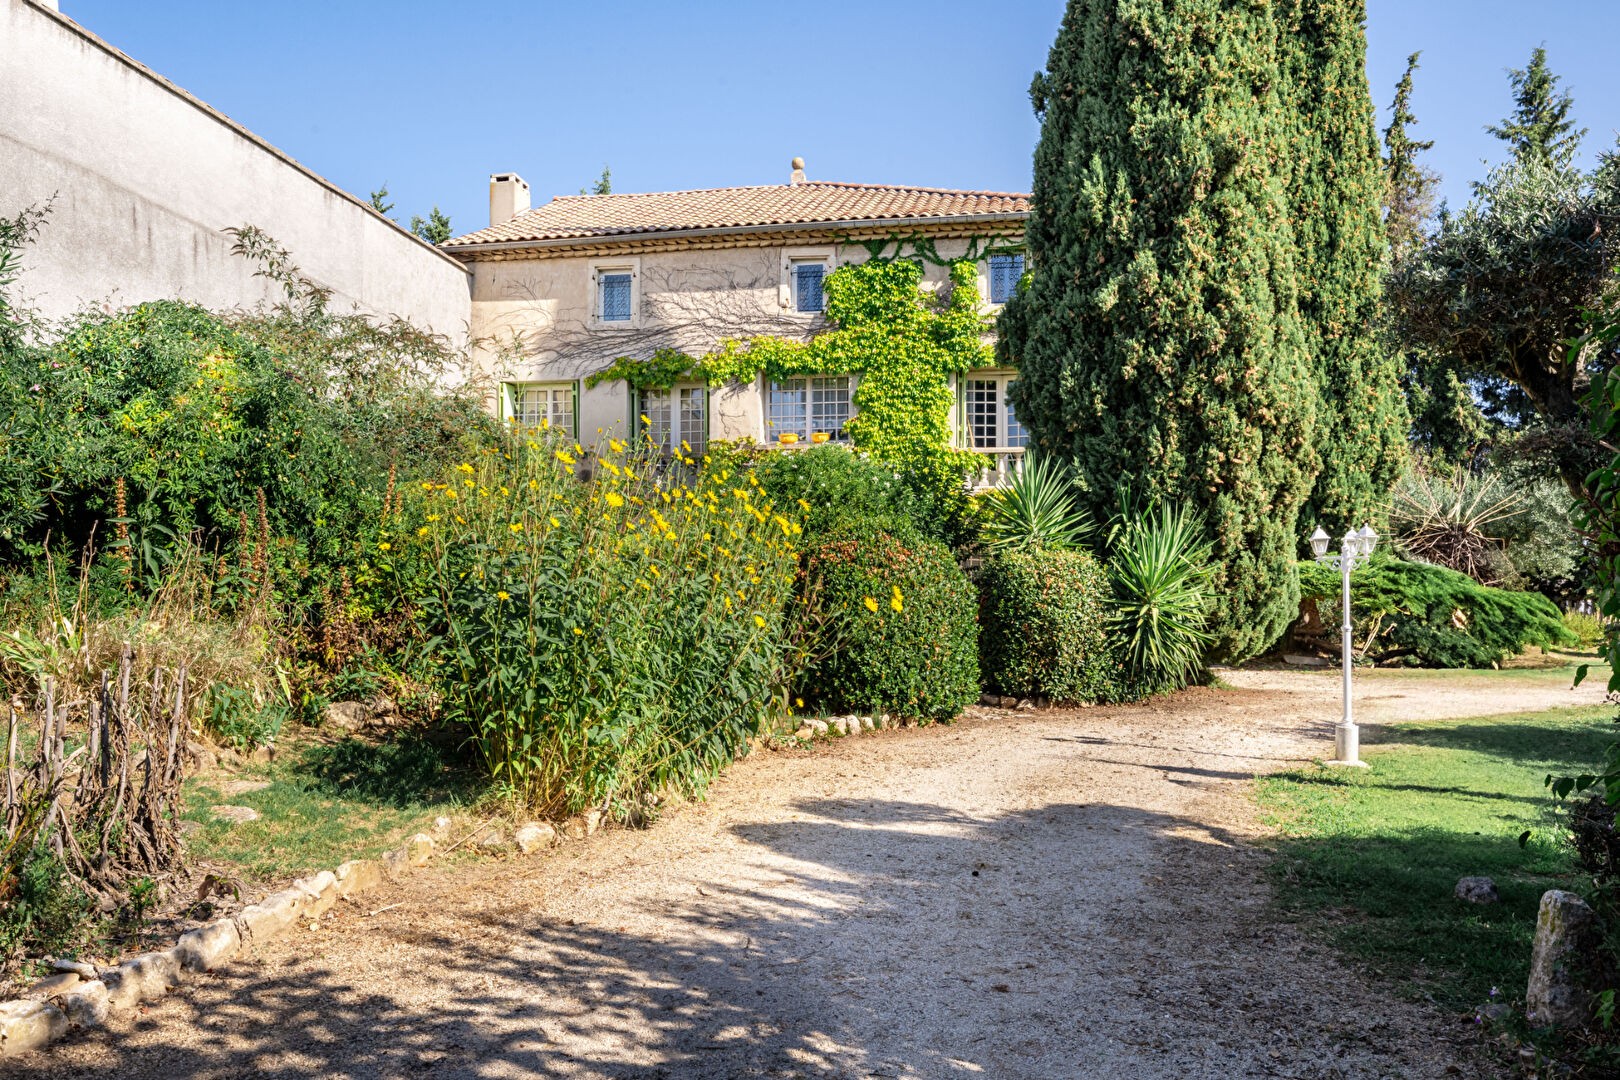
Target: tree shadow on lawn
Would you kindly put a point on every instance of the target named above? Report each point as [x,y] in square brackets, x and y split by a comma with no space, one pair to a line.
[879,938]
[1577,742]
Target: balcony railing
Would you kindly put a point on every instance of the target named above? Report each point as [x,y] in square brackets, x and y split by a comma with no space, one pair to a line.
[999,467]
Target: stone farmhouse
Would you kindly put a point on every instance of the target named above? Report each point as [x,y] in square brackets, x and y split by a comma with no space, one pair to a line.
[145,183]
[559,292]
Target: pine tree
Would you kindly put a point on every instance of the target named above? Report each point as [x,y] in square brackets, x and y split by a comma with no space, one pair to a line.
[1409,197]
[435,230]
[1337,192]
[1540,128]
[379,201]
[602,186]
[1158,342]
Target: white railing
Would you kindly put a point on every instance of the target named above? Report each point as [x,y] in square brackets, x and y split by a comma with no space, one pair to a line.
[1000,466]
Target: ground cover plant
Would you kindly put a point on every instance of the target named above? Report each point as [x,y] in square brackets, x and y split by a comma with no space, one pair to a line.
[1429,616]
[1372,856]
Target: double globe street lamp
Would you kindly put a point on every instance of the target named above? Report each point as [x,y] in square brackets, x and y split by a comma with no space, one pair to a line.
[1357,546]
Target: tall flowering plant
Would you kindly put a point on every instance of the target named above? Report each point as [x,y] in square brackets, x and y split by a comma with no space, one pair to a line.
[602,638]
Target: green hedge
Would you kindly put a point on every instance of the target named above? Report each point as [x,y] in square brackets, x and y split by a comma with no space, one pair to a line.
[1044,617]
[895,624]
[1433,617]
[837,484]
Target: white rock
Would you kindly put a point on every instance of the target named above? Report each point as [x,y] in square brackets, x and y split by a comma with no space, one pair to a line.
[419,849]
[534,836]
[319,893]
[145,978]
[270,916]
[207,947]
[1563,975]
[358,876]
[54,986]
[86,1007]
[236,815]
[29,1025]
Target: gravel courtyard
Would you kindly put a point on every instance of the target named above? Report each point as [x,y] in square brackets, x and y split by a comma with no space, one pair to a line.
[1066,893]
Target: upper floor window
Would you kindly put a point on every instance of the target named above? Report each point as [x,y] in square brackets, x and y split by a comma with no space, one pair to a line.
[807,281]
[617,299]
[676,416]
[806,406]
[615,296]
[539,405]
[1005,270]
[990,421]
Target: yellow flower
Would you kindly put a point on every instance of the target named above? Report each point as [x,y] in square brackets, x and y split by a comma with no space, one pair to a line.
[423,531]
[433,517]
[449,493]
[578,631]
[894,601]
[384,546]
[504,595]
[759,622]
[464,467]
[555,524]
[616,446]
[799,701]
[504,491]
[654,570]
[516,526]
[565,457]
[804,506]
[613,499]
[871,604]
[427,485]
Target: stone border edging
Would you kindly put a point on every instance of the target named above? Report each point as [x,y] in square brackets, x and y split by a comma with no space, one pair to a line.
[81,996]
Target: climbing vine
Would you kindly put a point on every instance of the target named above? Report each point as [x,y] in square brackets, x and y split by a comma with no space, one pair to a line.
[903,342]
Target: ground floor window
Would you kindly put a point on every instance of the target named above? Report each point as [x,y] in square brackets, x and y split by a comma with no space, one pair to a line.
[541,405]
[803,407]
[989,420]
[676,415]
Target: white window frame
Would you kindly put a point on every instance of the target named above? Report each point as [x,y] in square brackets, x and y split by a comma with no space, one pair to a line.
[694,431]
[775,426]
[628,265]
[509,402]
[791,257]
[985,279]
[967,433]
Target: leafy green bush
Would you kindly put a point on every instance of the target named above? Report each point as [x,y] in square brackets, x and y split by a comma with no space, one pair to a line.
[1043,626]
[1162,573]
[1036,510]
[896,624]
[1433,617]
[601,641]
[1588,630]
[827,485]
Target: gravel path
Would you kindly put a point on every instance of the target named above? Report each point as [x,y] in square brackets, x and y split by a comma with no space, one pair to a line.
[1054,894]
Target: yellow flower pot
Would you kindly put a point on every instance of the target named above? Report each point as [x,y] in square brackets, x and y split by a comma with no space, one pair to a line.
[787,438]
[819,437]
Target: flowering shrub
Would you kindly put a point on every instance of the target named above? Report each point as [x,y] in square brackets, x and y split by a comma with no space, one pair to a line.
[895,624]
[832,484]
[603,641]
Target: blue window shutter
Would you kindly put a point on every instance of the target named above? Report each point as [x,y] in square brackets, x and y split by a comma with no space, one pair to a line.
[615,297]
[807,286]
[1005,270]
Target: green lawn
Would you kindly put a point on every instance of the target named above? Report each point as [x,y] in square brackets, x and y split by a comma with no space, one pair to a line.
[1372,855]
[324,804]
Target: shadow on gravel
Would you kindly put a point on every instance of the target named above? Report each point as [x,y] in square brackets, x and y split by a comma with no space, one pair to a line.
[895,939]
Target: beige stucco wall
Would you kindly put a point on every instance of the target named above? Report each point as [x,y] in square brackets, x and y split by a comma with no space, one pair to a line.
[533,318]
[145,179]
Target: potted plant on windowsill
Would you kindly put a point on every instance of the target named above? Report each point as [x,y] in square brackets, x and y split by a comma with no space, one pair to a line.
[787,438]
[819,436]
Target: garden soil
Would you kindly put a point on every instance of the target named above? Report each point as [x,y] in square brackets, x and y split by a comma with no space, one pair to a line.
[1063,893]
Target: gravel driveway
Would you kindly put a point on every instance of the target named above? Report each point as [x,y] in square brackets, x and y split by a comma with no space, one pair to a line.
[1055,894]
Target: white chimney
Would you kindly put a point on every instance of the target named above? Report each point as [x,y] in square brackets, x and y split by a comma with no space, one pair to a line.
[508,197]
[797,175]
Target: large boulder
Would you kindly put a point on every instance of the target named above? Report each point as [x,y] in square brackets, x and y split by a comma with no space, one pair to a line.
[1567,965]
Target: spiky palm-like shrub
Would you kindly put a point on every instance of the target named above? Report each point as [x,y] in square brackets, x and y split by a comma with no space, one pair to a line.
[1036,510]
[1163,597]
[1450,519]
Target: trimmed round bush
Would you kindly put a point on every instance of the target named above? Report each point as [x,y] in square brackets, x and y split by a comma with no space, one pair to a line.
[1044,617]
[895,624]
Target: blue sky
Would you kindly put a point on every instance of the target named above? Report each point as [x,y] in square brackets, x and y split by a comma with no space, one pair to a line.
[433,97]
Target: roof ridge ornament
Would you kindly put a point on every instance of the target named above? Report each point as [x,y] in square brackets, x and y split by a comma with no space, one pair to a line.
[797,176]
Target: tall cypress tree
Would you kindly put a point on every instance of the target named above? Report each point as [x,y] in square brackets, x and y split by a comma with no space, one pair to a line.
[1540,129]
[1409,184]
[1337,189]
[1158,342]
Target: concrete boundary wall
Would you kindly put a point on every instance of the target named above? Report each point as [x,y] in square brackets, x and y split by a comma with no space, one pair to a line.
[146,177]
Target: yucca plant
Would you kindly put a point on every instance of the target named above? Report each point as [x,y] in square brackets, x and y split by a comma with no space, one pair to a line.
[1160,569]
[1448,518]
[1036,510]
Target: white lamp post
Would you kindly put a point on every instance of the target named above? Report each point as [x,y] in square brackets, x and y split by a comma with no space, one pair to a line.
[1354,547]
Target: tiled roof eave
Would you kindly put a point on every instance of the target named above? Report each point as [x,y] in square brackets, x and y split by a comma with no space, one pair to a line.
[916,224]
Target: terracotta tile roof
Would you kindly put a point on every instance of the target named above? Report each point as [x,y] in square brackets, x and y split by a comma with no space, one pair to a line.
[583,217]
